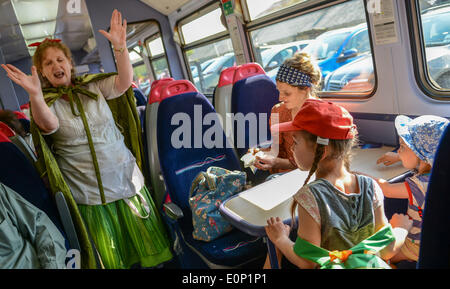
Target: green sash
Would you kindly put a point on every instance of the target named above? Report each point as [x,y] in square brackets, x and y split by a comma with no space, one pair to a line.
[359,256]
[126,117]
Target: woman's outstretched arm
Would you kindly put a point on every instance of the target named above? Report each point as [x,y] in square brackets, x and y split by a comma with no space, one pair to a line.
[45,119]
[117,35]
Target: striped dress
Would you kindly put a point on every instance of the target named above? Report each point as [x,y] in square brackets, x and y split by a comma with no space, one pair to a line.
[417,187]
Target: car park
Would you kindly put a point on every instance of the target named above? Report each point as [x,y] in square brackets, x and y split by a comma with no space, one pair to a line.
[360,74]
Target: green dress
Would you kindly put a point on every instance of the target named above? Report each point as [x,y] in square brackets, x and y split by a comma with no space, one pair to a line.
[117,214]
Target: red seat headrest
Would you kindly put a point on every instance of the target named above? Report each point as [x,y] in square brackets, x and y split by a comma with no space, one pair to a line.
[227,76]
[25,106]
[155,89]
[6,131]
[247,70]
[3,138]
[177,87]
[20,115]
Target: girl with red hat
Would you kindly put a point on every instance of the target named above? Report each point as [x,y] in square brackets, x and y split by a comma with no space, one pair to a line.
[339,209]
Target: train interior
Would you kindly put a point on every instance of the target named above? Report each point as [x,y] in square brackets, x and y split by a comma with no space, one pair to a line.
[379,59]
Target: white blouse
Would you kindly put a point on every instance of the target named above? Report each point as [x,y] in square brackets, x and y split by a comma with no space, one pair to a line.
[120,174]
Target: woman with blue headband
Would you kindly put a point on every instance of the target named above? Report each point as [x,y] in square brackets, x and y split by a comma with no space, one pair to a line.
[297,80]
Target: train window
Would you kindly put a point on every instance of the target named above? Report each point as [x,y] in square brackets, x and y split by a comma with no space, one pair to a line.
[155,46]
[258,8]
[157,57]
[207,47]
[202,27]
[147,53]
[207,61]
[340,45]
[141,74]
[435,37]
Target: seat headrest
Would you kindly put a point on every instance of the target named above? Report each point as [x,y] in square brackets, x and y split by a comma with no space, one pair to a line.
[20,115]
[155,89]
[6,130]
[177,87]
[25,106]
[4,138]
[227,76]
[246,70]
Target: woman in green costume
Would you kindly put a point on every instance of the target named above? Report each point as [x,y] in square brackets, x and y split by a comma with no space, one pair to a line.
[78,116]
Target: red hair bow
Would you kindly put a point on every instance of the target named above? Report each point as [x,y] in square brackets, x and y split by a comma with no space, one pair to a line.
[36,44]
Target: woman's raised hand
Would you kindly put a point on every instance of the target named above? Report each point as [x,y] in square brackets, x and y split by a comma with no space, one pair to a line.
[118,30]
[30,83]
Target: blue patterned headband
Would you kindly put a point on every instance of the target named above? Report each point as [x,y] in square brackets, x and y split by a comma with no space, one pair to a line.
[293,76]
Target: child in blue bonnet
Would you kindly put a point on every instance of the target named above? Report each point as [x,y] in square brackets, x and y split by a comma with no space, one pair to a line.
[419,139]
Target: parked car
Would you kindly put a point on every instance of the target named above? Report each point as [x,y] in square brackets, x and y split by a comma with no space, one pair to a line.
[273,56]
[359,75]
[335,48]
[354,76]
[211,74]
[436,31]
[203,66]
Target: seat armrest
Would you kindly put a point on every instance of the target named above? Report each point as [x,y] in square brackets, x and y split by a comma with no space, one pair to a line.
[66,220]
[401,178]
[173,211]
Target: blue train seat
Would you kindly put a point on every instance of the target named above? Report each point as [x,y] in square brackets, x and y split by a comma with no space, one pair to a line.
[141,99]
[18,173]
[222,93]
[22,117]
[253,92]
[150,139]
[435,238]
[181,104]
[222,100]
[19,141]
[141,102]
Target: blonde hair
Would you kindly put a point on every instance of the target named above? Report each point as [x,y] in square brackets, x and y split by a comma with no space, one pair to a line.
[38,58]
[306,64]
[340,150]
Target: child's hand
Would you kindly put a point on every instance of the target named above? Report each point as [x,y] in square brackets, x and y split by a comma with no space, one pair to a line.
[401,221]
[276,229]
[389,158]
[265,162]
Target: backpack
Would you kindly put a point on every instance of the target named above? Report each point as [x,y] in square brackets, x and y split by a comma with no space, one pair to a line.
[208,190]
[361,256]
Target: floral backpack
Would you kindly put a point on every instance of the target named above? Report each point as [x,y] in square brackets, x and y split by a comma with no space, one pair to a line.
[208,190]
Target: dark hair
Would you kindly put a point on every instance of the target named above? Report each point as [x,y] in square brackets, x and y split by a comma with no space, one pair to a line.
[10,119]
[340,150]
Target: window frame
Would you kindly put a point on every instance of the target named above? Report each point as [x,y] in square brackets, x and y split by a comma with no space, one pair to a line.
[152,58]
[139,63]
[197,14]
[299,10]
[201,42]
[418,54]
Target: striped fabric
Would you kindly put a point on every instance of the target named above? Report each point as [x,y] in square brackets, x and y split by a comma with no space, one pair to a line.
[418,185]
[122,238]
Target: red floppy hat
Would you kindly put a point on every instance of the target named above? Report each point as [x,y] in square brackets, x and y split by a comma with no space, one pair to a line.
[321,118]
